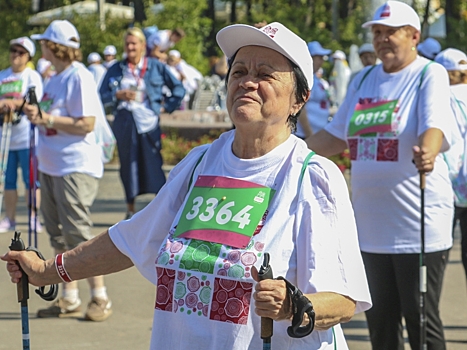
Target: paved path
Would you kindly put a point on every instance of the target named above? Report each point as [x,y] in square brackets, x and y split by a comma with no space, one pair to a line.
[133,297]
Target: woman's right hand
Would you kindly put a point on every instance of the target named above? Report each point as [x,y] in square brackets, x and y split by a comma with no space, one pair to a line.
[31,264]
[126,95]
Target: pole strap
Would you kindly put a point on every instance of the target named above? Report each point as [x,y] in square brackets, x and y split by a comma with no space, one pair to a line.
[301,305]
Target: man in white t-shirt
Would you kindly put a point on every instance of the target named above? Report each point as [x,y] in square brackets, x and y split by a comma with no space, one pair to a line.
[96,68]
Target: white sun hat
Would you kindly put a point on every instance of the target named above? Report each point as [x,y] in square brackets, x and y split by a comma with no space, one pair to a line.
[429,48]
[94,57]
[339,55]
[395,14]
[60,32]
[367,47]
[274,36]
[26,43]
[110,50]
[451,58]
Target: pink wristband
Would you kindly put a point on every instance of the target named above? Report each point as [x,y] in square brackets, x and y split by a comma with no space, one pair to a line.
[60,266]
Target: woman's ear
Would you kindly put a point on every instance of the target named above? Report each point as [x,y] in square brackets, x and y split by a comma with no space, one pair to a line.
[298,105]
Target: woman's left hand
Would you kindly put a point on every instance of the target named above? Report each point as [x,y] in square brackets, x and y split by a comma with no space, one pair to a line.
[424,159]
[32,112]
[271,298]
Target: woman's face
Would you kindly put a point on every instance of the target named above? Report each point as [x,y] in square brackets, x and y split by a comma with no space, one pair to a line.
[19,57]
[261,88]
[394,45]
[134,48]
[317,63]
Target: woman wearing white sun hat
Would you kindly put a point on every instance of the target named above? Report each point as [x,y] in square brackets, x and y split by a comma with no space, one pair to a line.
[69,160]
[394,115]
[205,261]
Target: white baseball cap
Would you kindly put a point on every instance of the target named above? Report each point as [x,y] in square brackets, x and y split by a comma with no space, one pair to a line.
[274,36]
[395,14]
[110,50]
[339,55]
[94,57]
[26,43]
[175,53]
[60,32]
[367,47]
[451,58]
[429,48]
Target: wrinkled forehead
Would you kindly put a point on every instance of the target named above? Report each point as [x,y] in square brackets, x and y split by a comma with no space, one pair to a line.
[262,56]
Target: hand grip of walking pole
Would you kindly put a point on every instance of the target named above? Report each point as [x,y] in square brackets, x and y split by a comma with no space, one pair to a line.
[422,180]
[23,286]
[265,273]
[33,99]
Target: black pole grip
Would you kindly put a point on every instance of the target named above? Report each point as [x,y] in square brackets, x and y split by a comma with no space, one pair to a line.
[17,244]
[265,273]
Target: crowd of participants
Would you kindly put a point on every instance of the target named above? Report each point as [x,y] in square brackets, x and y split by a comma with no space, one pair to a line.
[385,113]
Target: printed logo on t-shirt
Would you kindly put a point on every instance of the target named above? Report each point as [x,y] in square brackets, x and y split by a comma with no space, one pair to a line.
[373,130]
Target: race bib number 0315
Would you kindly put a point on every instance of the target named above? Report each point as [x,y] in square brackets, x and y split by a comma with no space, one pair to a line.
[372,118]
[223,210]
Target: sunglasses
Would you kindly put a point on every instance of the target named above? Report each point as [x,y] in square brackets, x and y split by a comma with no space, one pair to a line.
[19,52]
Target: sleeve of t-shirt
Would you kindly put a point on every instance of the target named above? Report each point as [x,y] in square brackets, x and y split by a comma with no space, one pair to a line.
[327,238]
[141,237]
[82,96]
[433,105]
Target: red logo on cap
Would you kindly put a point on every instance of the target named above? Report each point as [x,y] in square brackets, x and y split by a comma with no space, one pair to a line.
[270,31]
[386,12]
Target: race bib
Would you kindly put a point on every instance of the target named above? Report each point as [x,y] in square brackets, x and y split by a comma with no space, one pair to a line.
[223,210]
[372,118]
[11,89]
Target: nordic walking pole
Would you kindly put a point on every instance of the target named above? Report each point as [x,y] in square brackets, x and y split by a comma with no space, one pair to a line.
[265,273]
[423,281]
[23,292]
[31,95]
[4,151]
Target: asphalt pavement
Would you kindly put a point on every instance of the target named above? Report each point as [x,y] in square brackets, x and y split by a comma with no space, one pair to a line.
[133,297]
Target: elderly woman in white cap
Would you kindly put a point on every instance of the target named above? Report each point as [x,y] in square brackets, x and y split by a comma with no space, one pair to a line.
[110,56]
[394,115]
[316,113]
[69,161]
[96,67]
[455,62]
[14,84]
[256,192]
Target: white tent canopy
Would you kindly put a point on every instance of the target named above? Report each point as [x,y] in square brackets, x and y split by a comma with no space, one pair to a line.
[80,8]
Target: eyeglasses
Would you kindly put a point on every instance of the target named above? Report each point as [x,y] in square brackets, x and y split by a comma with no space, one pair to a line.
[19,52]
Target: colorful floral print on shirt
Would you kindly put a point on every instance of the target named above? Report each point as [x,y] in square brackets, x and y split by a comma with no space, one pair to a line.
[204,269]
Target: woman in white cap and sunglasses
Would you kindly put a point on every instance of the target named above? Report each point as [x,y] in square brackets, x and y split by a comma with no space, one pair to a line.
[14,84]
[257,189]
[393,120]
[69,161]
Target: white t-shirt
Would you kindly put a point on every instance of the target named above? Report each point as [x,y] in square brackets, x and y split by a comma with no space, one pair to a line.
[71,93]
[317,107]
[385,182]
[16,85]
[308,230]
